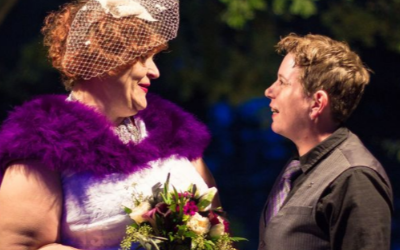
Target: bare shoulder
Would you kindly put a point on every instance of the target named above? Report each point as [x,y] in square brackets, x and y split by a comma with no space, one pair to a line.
[30,206]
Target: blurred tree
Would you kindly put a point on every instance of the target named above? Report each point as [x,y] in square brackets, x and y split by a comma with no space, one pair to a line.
[238,12]
[350,20]
[224,57]
[235,58]
[225,48]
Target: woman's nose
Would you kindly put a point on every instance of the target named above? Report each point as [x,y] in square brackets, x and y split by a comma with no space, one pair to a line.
[152,69]
[269,91]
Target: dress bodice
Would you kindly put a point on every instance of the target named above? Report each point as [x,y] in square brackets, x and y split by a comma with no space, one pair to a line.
[94,217]
[93,207]
[97,167]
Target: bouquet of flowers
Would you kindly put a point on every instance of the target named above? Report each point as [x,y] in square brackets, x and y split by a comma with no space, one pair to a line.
[172,220]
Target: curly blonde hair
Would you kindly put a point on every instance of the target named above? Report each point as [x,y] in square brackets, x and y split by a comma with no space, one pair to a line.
[56,29]
[331,66]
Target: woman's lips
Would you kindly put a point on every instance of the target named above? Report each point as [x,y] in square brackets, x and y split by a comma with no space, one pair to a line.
[144,86]
[274,112]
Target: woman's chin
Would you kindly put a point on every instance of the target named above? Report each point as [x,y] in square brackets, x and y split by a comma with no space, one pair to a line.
[138,106]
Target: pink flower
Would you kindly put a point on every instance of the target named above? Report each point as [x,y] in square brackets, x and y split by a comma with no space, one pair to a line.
[150,217]
[216,219]
[226,225]
[150,214]
[185,195]
[190,208]
[213,218]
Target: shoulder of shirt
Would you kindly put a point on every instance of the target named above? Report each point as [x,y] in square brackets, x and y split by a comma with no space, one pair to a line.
[365,179]
[359,171]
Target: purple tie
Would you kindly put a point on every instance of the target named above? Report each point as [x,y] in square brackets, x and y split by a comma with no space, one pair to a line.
[281,191]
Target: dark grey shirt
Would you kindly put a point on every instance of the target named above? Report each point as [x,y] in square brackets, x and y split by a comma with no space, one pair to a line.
[355,210]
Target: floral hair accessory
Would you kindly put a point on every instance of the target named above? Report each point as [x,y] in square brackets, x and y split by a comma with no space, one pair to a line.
[125,8]
[107,34]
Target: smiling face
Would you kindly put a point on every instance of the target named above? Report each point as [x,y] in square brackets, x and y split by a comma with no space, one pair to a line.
[128,89]
[289,104]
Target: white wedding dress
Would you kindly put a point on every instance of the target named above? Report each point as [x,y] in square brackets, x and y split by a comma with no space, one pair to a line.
[93,216]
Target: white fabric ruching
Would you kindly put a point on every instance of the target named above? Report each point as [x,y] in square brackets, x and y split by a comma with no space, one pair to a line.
[93,216]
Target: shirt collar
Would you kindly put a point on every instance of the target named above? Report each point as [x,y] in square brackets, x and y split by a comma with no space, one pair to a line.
[322,149]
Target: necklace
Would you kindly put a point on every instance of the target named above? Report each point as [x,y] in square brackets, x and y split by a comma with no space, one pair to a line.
[128,131]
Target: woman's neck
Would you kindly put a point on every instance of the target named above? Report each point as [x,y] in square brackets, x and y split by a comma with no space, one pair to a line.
[95,93]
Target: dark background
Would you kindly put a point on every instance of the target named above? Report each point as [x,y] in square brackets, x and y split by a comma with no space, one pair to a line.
[218,69]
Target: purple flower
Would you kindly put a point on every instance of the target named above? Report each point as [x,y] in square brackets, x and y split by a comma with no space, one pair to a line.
[190,208]
[163,209]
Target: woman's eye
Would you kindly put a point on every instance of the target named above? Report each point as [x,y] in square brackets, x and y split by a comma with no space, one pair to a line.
[283,83]
[143,59]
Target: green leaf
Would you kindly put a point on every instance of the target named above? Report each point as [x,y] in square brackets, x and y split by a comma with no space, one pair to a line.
[190,188]
[166,184]
[166,198]
[194,190]
[190,234]
[172,207]
[236,239]
[206,199]
[127,210]
[209,245]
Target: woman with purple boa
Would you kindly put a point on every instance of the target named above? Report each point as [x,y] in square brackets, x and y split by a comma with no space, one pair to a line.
[67,163]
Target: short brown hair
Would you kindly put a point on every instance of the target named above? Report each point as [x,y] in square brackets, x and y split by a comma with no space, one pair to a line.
[331,66]
[56,28]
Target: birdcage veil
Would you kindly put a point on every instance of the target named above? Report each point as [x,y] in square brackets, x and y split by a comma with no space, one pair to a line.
[106,34]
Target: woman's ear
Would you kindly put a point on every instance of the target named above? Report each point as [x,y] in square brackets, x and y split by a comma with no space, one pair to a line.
[320,104]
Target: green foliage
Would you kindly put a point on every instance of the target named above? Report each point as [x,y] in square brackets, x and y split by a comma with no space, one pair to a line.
[166,226]
[238,12]
[349,20]
[303,8]
[366,23]
[206,199]
[140,234]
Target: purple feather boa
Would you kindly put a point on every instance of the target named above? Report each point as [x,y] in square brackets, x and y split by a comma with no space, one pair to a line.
[70,135]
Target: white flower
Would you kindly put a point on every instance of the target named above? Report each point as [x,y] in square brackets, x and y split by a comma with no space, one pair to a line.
[217,230]
[199,224]
[125,8]
[138,211]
